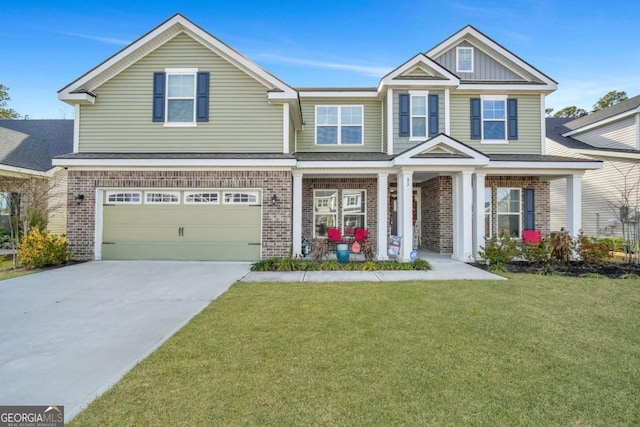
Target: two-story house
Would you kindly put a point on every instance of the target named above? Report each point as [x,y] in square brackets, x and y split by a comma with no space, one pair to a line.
[611,135]
[185,149]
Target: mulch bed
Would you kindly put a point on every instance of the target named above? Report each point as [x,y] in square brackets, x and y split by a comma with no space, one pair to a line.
[573,269]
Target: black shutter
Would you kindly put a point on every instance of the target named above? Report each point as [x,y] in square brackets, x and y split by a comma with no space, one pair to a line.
[476,121]
[404,115]
[512,118]
[529,209]
[434,117]
[202,98]
[158,96]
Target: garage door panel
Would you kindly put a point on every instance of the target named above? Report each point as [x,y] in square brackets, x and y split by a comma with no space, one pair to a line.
[181,232]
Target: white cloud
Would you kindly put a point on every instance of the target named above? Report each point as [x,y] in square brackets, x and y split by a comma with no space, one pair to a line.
[107,40]
[367,70]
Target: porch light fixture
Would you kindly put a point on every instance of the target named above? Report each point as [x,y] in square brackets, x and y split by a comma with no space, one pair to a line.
[274,200]
[79,198]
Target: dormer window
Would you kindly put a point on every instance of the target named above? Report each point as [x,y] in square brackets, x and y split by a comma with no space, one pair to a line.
[464,59]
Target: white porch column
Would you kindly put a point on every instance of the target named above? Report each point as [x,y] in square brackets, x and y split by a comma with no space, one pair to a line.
[478,212]
[574,204]
[383,209]
[462,217]
[296,228]
[405,214]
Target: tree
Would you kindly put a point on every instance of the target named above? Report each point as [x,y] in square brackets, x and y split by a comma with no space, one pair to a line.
[6,113]
[548,112]
[572,112]
[609,99]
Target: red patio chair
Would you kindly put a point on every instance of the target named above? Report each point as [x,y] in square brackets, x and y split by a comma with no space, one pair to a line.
[360,235]
[334,236]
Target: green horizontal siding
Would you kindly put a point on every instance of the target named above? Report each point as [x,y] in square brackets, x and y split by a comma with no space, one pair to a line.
[372,135]
[529,125]
[240,118]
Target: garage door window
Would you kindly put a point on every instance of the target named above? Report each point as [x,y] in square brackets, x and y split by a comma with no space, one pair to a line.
[129,197]
[240,198]
[165,198]
[201,198]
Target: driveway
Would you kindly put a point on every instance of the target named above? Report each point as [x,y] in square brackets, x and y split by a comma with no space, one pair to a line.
[67,335]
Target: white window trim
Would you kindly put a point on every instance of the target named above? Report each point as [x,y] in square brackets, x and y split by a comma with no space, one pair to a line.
[326,214]
[192,71]
[339,125]
[493,98]
[176,194]
[193,193]
[424,93]
[458,49]
[489,232]
[256,194]
[498,213]
[364,214]
[113,193]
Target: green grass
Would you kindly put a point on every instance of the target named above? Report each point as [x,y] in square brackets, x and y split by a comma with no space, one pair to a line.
[7,271]
[534,350]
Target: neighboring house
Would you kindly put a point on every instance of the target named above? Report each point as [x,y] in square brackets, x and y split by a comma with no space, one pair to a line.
[611,135]
[185,149]
[27,176]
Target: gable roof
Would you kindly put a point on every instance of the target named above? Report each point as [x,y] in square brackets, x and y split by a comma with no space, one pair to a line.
[31,144]
[470,33]
[605,113]
[80,90]
[439,74]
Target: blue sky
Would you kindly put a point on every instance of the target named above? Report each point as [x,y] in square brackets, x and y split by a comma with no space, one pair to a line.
[589,47]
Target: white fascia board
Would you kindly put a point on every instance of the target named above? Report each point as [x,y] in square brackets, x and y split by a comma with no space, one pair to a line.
[351,166]
[527,166]
[544,88]
[176,162]
[603,122]
[617,154]
[339,94]
[188,26]
[444,140]
[454,162]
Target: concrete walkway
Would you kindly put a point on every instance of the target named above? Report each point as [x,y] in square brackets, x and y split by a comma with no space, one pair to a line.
[443,268]
[67,335]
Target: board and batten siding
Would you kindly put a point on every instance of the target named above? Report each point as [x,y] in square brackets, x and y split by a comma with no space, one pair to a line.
[620,134]
[372,133]
[57,201]
[601,191]
[484,66]
[240,117]
[529,125]
[401,144]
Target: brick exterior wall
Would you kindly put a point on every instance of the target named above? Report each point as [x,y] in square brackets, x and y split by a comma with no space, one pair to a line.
[276,220]
[437,214]
[542,198]
[368,184]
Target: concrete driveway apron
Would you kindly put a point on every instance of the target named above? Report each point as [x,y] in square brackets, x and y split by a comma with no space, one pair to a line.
[67,335]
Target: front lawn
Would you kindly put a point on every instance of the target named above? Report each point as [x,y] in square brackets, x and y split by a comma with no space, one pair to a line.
[529,351]
[8,272]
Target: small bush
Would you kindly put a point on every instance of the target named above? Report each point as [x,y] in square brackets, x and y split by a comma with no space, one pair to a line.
[367,250]
[330,266]
[615,244]
[369,266]
[591,253]
[563,245]
[546,271]
[309,266]
[264,265]
[421,264]
[319,250]
[286,264]
[499,250]
[538,253]
[41,249]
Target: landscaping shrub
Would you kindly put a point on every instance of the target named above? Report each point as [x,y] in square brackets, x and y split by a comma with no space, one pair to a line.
[538,253]
[41,249]
[421,264]
[615,244]
[591,253]
[369,266]
[367,250]
[499,250]
[563,245]
[319,250]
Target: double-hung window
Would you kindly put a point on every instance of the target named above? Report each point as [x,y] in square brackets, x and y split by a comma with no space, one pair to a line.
[494,118]
[464,59]
[339,125]
[325,211]
[509,211]
[419,113]
[181,96]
